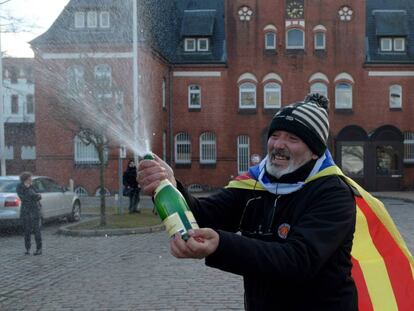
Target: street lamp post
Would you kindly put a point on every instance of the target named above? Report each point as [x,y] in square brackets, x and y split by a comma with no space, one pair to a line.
[2,138]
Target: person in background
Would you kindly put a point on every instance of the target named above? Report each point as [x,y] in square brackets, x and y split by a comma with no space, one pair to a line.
[131,187]
[285,228]
[30,212]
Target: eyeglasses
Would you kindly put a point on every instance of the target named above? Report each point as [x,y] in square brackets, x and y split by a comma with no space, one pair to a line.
[262,229]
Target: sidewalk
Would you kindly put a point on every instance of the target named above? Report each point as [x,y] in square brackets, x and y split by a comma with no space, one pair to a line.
[402,195]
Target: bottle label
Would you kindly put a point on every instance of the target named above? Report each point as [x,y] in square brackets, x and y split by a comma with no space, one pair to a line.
[173,224]
[191,220]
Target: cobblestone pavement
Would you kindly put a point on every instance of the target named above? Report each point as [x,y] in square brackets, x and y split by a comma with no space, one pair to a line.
[133,272]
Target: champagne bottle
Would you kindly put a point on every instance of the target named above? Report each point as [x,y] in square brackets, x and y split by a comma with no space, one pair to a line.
[172,208]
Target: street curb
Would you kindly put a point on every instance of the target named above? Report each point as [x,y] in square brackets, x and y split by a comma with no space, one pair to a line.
[66,230]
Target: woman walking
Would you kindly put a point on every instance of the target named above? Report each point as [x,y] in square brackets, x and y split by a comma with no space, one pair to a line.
[30,212]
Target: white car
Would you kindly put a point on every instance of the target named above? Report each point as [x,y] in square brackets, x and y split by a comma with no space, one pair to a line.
[56,202]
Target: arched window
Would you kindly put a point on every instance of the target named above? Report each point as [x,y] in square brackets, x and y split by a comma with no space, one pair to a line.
[103,79]
[75,80]
[320,88]
[243,153]
[295,39]
[395,96]
[343,96]
[182,148]
[270,40]
[208,148]
[272,95]
[194,96]
[247,95]
[107,193]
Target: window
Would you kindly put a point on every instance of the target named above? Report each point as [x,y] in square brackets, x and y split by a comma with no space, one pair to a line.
[295,39]
[29,75]
[392,44]
[190,45]
[28,153]
[243,153]
[105,191]
[104,20]
[92,19]
[13,75]
[399,44]
[247,95]
[320,88]
[103,80]
[208,148]
[202,45]
[395,96]
[272,95]
[182,148]
[386,160]
[79,19]
[194,96]
[343,96]
[270,41]
[352,160]
[163,90]
[75,80]
[9,153]
[14,104]
[409,147]
[29,104]
[320,39]
[85,154]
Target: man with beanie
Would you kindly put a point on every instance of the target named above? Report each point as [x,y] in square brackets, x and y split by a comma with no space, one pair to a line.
[286,227]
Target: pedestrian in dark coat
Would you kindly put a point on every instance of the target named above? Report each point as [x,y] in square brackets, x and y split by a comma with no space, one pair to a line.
[131,187]
[30,212]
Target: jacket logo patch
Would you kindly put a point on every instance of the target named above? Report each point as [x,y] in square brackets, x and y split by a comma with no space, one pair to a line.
[283,230]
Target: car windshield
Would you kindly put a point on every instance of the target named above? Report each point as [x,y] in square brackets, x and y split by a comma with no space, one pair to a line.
[8,186]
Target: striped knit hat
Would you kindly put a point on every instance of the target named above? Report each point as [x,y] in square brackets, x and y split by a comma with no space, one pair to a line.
[307,120]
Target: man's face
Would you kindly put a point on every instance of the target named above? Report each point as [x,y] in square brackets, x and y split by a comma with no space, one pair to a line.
[131,164]
[286,153]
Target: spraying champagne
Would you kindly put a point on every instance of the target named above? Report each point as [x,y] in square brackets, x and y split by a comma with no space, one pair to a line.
[172,208]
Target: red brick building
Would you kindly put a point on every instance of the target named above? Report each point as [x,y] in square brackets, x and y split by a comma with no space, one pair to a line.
[213,73]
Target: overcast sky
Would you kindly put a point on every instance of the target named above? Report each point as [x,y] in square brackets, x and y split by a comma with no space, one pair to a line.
[37,13]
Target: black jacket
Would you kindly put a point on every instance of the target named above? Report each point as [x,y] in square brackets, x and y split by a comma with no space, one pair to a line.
[129,179]
[310,268]
[30,199]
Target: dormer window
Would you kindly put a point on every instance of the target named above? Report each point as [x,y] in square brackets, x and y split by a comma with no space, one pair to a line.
[92,19]
[202,45]
[392,44]
[190,45]
[104,19]
[196,45]
[79,19]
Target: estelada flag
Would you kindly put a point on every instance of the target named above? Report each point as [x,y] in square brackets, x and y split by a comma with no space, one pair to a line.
[383,268]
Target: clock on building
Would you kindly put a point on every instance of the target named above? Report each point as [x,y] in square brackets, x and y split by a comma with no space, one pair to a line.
[295,9]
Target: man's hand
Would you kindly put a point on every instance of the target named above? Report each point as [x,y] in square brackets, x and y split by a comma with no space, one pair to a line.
[202,242]
[151,172]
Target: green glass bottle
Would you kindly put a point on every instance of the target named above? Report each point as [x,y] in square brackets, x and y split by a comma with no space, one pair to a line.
[172,208]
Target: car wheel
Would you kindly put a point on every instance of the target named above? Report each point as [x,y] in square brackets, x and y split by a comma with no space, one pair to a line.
[76,212]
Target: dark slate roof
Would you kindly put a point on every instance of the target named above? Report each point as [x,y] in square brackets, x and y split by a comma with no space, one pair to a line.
[161,24]
[389,18]
[198,23]
[391,22]
[63,33]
